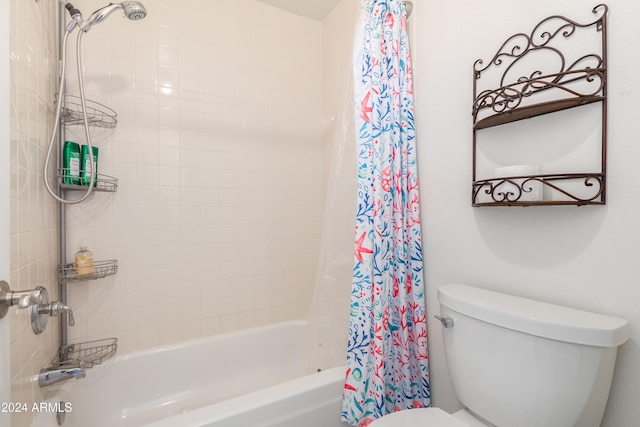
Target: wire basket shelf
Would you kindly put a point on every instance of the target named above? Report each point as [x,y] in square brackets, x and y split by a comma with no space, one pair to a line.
[86,354]
[98,115]
[69,181]
[101,269]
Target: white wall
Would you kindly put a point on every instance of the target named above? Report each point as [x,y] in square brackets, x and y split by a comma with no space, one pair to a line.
[218,152]
[581,257]
[34,250]
[5,332]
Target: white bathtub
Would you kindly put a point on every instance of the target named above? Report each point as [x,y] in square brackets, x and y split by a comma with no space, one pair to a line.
[254,377]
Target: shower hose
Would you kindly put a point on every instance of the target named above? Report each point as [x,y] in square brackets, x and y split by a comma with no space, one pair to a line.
[56,123]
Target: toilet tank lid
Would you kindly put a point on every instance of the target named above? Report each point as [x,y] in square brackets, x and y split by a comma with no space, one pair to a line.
[535,317]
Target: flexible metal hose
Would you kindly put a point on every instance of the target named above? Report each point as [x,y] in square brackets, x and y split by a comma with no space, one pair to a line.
[57,119]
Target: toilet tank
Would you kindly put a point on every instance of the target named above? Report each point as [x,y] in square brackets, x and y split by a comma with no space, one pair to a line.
[516,362]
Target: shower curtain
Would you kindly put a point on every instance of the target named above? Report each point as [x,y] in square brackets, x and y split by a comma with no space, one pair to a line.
[387,359]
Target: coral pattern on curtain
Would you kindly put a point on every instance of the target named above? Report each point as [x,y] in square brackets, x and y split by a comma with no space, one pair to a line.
[387,360]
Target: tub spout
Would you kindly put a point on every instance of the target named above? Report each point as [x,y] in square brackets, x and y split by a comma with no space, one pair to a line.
[50,376]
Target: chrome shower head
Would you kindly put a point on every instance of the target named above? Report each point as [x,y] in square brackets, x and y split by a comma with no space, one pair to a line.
[133,10]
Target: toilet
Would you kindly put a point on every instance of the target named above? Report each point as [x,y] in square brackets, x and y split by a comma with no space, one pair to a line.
[516,362]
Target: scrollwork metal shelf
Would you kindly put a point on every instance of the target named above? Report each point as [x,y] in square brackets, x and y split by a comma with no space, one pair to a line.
[509,191]
[525,91]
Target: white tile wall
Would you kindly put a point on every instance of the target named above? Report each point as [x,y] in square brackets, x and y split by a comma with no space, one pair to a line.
[219,156]
[34,255]
[220,162]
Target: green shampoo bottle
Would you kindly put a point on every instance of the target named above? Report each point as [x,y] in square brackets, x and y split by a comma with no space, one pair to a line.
[85,176]
[71,163]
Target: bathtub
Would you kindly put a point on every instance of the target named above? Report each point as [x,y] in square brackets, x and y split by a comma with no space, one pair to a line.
[255,377]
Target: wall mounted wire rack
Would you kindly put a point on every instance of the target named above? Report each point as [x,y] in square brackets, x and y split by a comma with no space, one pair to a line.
[526,87]
[86,354]
[98,115]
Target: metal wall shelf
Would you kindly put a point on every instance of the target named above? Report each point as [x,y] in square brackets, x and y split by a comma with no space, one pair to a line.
[67,272]
[85,354]
[525,91]
[510,191]
[104,183]
[509,116]
[98,115]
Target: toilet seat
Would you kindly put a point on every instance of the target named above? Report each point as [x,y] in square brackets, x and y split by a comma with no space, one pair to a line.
[432,417]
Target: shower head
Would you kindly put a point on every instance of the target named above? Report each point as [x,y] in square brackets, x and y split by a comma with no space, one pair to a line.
[133,10]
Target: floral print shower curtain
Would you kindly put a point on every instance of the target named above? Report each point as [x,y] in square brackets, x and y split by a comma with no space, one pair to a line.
[387,358]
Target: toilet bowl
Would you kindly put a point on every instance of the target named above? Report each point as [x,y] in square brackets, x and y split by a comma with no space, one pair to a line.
[519,362]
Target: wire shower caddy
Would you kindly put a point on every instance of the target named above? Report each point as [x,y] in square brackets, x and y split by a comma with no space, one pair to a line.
[85,355]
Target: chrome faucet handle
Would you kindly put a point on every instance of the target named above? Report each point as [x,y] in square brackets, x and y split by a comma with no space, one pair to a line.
[72,321]
[56,308]
[61,308]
